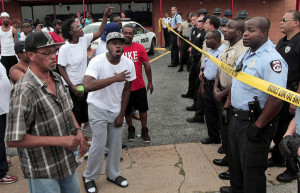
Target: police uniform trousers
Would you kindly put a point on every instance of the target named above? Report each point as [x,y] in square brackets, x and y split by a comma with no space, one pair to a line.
[284,120]
[174,49]
[298,181]
[184,54]
[167,37]
[199,100]
[248,158]
[225,127]
[211,110]
[194,75]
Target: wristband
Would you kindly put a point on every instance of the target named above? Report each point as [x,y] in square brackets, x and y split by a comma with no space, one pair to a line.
[79,128]
[74,132]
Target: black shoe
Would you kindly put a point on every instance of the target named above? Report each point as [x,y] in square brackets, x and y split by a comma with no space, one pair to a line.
[187,96]
[272,162]
[195,120]
[145,135]
[191,108]
[224,175]
[221,162]
[287,176]
[180,69]
[221,150]
[124,146]
[226,189]
[172,65]
[210,141]
[131,132]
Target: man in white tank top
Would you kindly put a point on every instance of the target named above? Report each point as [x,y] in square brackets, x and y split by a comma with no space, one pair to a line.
[8,38]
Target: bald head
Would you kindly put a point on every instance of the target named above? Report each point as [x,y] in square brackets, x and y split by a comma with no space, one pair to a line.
[256,32]
[239,24]
[261,23]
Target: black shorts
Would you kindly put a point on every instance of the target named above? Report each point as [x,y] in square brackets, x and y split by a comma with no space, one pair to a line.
[8,62]
[138,101]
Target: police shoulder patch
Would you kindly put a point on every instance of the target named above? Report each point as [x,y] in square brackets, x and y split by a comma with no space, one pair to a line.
[276,66]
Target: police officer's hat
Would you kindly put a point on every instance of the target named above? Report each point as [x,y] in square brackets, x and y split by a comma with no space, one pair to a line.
[224,21]
[217,11]
[228,12]
[202,11]
[242,14]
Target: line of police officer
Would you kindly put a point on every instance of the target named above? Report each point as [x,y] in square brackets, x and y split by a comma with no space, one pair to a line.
[246,137]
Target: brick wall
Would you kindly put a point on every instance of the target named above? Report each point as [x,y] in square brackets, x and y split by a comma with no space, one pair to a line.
[272,9]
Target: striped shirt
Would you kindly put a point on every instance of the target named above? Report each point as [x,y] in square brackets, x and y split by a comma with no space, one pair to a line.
[34,111]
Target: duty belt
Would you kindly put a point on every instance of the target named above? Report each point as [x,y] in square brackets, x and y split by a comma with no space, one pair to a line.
[241,115]
[209,82]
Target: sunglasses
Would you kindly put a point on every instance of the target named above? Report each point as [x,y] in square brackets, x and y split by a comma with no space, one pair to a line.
[285,20]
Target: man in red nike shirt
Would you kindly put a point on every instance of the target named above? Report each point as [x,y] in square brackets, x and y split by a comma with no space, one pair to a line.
[138,95]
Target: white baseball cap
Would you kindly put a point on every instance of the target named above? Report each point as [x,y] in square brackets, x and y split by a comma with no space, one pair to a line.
[4,14]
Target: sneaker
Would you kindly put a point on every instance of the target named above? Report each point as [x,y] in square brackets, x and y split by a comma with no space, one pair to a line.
[145,135]
[8,179]
[131,132]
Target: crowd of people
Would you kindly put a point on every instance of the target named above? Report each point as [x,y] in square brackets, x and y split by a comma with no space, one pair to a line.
[53,83]
[243,119]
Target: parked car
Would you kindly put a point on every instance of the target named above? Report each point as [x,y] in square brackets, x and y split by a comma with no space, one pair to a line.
[142,35]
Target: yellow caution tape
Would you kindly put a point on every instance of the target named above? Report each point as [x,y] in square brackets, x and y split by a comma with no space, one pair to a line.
[265,86]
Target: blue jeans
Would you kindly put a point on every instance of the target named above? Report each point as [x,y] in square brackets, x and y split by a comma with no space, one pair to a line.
[66,185]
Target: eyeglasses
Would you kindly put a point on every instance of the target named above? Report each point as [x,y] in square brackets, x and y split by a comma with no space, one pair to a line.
[285,20]
[200,21]
[46,54]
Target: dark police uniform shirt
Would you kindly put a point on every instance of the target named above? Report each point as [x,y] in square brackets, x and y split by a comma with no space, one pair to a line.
[265,63]
[197,38]
[290,51]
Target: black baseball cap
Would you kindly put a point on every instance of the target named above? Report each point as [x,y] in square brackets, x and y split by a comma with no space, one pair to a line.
[19,47]
[56,22]
[39,39]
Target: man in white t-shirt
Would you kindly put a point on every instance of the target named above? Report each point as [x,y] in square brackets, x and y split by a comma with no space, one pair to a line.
[108,78]
[72,60]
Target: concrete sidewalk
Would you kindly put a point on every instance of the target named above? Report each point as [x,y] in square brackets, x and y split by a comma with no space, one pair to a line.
[160,169]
